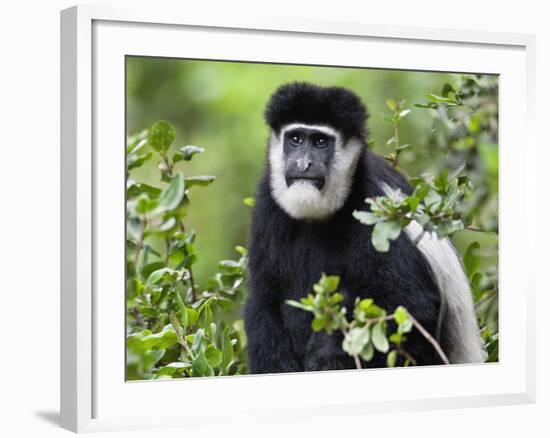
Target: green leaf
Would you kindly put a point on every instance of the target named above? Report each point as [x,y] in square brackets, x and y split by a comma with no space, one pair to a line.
[391,358]
[318,324]
[440,99]
[405,327]
[183,315]
[421,190]
[374,311]
[230,266]
[384,232]
[172,195]
[472,258]
[149,268]
[135,162]
[187,152]
[401,315]
[392,104]
[160,341]
[447,88]
[448,227]
[136,142]
[161,135]
[428,106]
[173,367]
[298,305]
[156,276]
[404,113]
[227,349]
[200,181]
[397,338]
[145,204]
[249,202]
[201,366]
[241,250]
[136,189]
[367,353]
[412,202]
[366,217]
[441,181]
[192,315]
[366,303]
[330,283]
[213,356]
[356,339]
[379,339]
[198,340]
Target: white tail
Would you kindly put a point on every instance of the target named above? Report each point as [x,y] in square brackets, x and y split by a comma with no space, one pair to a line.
[457,319]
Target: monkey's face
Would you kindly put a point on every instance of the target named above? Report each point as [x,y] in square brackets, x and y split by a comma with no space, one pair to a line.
[312,167]
[308,154]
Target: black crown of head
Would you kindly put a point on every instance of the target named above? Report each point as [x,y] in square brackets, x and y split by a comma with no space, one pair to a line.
[302,102]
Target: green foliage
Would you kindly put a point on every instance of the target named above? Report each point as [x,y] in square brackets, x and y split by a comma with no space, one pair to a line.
[399,112]
[465,134]
[368,331]
[435,204]
[174,328]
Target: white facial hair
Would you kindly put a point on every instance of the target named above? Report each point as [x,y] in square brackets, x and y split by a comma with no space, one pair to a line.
[302,200]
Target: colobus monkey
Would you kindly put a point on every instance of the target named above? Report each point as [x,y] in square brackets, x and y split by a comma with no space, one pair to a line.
[319,171]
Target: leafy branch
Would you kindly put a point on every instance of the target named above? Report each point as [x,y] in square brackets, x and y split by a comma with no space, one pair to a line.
[399,112]
[435,204]
[367,331]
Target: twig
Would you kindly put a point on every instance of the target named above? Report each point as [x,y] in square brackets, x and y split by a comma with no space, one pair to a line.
[139,243]
[396,143]
[190,269]
[169,167]
[176,325]
[192,281]
[477,229]
[430,339]
[406,354]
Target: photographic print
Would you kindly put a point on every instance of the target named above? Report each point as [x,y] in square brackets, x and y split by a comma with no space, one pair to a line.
[292,218]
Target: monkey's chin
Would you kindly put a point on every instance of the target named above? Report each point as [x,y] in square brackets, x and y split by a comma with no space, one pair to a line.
[303,201]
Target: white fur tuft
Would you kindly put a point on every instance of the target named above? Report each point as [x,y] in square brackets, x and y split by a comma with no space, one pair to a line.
[457,315]
[302,200]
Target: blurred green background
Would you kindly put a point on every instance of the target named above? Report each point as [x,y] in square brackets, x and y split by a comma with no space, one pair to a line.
[219,106]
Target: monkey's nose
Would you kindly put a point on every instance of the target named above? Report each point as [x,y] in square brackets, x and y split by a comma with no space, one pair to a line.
[303,165]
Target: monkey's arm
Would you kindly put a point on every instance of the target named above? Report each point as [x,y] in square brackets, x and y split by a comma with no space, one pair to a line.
[269,345]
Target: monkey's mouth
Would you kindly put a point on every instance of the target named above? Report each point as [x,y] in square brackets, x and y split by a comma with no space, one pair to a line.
[318,182]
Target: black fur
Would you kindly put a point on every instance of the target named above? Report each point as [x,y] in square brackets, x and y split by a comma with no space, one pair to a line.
[311,104]
[288,256]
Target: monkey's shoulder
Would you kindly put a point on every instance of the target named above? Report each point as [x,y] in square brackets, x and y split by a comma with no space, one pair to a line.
[379,172]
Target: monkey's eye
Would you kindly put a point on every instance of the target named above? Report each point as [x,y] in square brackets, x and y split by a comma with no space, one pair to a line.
[296,139]
[320,142]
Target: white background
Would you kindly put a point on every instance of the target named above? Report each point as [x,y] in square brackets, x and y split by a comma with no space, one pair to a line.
[29,216]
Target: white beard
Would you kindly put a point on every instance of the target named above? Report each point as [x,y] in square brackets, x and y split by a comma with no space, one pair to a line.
[302,200]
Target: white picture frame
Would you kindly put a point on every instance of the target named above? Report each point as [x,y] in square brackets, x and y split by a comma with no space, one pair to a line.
[94,41]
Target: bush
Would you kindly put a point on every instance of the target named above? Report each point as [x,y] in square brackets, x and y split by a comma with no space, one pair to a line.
[175,328]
